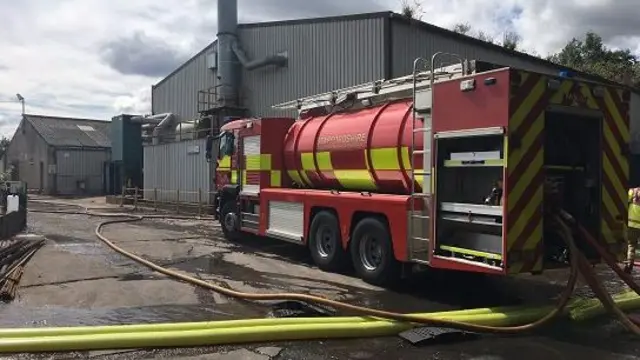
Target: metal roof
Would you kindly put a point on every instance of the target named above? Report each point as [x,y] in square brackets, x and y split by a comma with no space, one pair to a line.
[70,132]
[401,18]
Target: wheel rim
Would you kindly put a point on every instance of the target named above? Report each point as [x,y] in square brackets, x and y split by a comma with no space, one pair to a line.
[325,241]
[230,221]
[371,253]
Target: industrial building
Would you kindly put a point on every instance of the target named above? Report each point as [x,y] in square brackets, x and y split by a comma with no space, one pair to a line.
[60,156]
[251,67]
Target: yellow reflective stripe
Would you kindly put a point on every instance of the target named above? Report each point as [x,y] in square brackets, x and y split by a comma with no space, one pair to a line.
[258,162]
[225,162]
[355,179]
[384,158]
[471,252]
[276,178]
[406,159]
[324,161]
[307,161]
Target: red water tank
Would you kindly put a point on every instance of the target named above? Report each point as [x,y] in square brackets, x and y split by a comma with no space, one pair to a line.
[363,150]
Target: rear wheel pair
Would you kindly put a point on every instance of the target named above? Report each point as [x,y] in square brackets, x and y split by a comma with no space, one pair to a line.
[370,250]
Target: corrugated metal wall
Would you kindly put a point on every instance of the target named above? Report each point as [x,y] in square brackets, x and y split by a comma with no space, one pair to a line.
[179,93]
[409,42]
[27,150]
[176,166]
[77,166]
[322,56]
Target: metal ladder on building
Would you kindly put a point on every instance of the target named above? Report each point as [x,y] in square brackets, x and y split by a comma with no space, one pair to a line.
[420,219]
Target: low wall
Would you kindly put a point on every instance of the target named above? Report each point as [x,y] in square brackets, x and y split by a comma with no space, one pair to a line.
[13,223]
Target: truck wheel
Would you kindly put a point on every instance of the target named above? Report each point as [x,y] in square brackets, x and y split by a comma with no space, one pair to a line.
[372,253]
[325,242]
[229,221]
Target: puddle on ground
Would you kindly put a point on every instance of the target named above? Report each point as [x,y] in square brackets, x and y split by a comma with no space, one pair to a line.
[13,315]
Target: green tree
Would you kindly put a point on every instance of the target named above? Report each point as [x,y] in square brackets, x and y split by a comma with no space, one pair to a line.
[590,55]
[510,39]
[4,142]
[411,9]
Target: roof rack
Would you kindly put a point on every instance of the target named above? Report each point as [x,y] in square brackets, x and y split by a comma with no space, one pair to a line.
[397,88]
[393,88]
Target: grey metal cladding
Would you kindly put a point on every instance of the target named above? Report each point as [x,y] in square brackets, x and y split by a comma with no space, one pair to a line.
[410,41]
[322,56]
[179,165]
[178,93]
[74,166]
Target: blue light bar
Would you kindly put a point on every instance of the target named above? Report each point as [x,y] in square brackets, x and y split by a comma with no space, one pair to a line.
[566,74]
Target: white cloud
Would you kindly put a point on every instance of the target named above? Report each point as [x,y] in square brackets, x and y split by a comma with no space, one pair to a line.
[96,58]
[139,102]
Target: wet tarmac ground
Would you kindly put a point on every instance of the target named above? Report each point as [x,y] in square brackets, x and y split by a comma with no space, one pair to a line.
[77,280]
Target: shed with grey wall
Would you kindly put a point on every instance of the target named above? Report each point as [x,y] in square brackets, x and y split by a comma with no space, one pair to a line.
[80,171]
[176,166]
[59,155]
[30,155]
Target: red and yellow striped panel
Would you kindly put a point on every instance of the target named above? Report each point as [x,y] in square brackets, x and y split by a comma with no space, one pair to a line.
[258,171]
[379,169]
[525,173]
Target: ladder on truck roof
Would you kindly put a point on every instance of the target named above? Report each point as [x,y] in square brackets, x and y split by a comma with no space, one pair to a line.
[418,237]
[397,88]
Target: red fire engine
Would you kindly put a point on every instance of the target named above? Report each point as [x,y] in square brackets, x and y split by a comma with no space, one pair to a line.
[451,169]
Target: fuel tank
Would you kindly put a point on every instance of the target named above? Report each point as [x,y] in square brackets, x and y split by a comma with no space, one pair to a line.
[363,150]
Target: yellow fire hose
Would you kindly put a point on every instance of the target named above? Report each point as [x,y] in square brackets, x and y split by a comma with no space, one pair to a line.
[193,334]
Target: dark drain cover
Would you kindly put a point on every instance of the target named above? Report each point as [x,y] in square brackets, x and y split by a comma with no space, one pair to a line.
[433,335]
[299,309]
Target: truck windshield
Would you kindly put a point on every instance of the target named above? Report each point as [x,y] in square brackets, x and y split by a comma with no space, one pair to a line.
[226,144]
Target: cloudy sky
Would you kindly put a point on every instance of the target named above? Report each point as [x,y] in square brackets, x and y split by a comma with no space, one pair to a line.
[98,58]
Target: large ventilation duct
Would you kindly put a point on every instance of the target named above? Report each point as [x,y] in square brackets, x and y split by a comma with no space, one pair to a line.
[166,125]
[230,54]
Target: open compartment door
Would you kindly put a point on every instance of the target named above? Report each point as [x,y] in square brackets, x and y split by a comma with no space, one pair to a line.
[468,207]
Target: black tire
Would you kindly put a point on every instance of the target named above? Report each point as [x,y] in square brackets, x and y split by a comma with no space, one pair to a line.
[230,233]
[325,243]
[381,269]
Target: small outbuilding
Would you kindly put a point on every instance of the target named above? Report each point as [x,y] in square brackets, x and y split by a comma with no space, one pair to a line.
[59,155]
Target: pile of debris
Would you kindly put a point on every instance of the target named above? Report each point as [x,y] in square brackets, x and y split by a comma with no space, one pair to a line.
[14,255]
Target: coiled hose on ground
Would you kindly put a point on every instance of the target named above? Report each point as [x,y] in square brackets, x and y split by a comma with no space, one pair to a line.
[579,264]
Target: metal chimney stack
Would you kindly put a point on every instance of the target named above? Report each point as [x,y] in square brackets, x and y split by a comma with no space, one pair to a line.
[228,65]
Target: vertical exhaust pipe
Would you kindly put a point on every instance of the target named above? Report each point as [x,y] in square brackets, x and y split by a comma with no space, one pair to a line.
[228,66]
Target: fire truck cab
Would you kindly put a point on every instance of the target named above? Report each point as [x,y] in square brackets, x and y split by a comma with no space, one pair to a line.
[455,168]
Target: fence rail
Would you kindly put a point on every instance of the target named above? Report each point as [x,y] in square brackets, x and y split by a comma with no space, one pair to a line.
[154,199]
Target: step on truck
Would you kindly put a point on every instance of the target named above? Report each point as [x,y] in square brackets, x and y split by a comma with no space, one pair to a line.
[454,168]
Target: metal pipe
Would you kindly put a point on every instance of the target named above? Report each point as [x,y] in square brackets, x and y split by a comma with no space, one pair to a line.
[279,60]
[228,71]
[231,55]
[169,121]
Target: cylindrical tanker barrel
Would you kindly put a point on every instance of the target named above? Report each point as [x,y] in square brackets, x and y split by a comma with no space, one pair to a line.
[363,150]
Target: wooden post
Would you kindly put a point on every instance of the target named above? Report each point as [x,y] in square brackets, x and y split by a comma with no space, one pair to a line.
[135,198]
[178,201]
[199,202]
[155,199]
[124,189]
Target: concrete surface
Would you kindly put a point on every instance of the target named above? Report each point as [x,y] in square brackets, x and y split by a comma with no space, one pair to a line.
[77,280]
